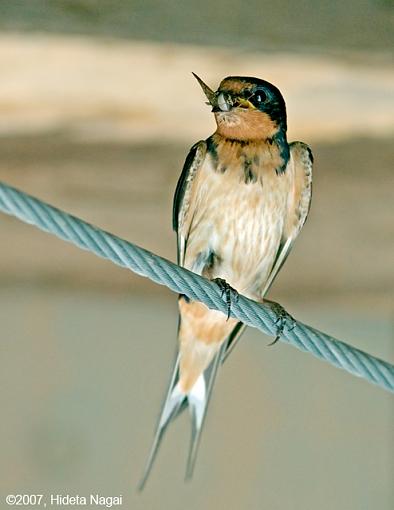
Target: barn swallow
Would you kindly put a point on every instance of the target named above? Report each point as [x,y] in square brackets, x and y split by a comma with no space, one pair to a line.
[242,199]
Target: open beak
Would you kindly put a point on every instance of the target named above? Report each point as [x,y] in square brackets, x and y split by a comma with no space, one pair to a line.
[245,103]
[223,102]
[211,96]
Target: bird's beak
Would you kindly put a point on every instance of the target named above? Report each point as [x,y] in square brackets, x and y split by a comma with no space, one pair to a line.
[211,96]
[245,103]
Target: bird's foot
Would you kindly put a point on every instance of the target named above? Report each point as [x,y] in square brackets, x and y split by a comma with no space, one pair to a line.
[283,319]
[228,291]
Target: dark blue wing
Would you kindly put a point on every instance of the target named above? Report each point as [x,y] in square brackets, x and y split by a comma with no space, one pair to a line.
[193,162]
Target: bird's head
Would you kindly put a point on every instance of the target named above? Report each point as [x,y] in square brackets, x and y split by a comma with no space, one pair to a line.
[247,108]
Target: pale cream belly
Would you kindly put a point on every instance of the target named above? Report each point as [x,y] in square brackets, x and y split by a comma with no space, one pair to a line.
[241,225]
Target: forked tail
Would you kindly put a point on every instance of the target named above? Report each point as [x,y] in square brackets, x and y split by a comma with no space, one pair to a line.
[196,399]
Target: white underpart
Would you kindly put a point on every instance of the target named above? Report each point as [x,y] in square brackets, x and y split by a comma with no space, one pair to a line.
[197,399]
[175,400]
[255,232]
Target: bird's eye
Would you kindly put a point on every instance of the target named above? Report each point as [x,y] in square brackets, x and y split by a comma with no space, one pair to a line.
[260,97]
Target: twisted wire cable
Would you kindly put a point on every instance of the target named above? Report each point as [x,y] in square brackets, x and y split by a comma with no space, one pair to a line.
[261,316]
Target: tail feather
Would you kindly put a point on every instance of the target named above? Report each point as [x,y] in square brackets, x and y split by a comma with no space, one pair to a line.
[175,402]
[233,339]
[198,400]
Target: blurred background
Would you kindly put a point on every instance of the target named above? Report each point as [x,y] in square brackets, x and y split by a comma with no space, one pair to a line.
[98,109]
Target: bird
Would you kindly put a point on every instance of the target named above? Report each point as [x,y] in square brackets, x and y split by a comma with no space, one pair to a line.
[241,200]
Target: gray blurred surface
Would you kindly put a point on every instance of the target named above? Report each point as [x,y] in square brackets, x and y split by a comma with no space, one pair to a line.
[82,376]
[257,24]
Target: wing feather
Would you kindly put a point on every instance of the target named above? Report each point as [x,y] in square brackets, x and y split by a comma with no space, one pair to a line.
[181,203]
[301,163]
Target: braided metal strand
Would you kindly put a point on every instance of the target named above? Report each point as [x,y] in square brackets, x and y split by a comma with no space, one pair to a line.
[164,272]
